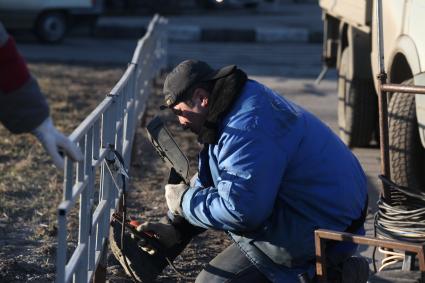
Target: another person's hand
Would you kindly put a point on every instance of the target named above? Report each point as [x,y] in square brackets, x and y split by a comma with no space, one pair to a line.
[173,196]
[166,234]
[53,141]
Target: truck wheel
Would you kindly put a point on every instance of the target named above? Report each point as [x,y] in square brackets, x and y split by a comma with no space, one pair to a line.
[51,27]
[357,104]
[407,156]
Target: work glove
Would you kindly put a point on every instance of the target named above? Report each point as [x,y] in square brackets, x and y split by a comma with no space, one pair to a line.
[166,234]
[53,141]
[173,196]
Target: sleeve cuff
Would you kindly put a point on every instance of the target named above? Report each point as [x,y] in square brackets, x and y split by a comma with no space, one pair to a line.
[186,207]
[185,201]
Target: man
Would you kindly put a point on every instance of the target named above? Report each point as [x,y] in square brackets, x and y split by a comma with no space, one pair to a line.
[23,108]
[270,173]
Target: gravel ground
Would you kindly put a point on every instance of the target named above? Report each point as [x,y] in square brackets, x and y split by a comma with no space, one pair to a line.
[31,188]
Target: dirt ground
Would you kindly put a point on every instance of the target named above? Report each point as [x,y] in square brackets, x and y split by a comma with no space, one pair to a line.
[31,188]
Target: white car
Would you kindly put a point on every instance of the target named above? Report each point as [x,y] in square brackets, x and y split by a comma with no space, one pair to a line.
[50,19]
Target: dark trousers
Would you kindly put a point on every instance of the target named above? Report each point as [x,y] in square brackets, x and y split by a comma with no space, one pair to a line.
[231,265]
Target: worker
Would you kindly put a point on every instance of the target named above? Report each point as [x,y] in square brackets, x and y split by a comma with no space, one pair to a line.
[23,108]
[269,174]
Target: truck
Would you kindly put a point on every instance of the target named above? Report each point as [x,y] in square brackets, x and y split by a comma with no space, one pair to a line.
[350,45]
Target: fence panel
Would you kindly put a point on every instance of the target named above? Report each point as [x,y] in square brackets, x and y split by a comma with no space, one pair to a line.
[90,185]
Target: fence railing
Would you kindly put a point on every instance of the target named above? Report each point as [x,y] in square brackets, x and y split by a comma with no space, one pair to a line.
[89,185]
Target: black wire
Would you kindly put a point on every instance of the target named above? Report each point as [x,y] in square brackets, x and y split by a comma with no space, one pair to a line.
[124,208]
[401,215]
[124,218]
[374,248]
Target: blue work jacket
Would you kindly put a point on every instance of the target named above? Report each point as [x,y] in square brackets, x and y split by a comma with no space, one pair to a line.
[276,174]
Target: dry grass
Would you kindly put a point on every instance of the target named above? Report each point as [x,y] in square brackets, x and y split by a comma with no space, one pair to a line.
[31,187]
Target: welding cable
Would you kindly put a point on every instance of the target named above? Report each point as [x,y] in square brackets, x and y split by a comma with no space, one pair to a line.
[391,257]
[401,216]
[123,172]
[124,217]
[401,222]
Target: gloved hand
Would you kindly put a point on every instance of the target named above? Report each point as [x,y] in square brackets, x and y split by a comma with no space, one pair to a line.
[173,196]
[53,140]
[166,234]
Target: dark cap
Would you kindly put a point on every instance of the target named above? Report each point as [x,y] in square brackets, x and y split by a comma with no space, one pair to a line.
[187,74]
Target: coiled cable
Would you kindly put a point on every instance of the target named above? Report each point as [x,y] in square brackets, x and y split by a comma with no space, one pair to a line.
[401,216]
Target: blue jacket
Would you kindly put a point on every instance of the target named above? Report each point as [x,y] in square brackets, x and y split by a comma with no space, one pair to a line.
[276,174]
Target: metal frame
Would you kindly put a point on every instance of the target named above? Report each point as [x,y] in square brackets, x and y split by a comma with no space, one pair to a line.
[111,125]
[321,235]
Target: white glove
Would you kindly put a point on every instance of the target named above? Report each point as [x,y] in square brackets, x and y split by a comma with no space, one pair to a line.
[173,196]
[53,140]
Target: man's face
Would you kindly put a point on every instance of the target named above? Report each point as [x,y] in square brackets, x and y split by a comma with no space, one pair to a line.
[192,114]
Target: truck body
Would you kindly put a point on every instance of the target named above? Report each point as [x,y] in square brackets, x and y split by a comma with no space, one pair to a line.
[350,45]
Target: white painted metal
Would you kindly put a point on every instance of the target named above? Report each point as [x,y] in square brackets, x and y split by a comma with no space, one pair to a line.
[88,183]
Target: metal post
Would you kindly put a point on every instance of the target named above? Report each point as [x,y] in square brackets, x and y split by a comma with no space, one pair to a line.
[383,105]
[62,245]
[106,184]
[90,173]
[68,177]
[62,214]
[100,273]
[81,272]
[119,111]
[320,245]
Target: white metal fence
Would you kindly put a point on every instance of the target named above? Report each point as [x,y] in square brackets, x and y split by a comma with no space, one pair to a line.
[88,185]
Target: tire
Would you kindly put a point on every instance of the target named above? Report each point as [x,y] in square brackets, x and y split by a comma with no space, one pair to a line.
[357,106]
[407,155]
[51,27]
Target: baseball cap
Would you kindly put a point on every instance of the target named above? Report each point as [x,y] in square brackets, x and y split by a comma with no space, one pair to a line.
[187,74]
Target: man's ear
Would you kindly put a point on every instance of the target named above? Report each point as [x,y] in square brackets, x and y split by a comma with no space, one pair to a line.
[204,101]
[201,95]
